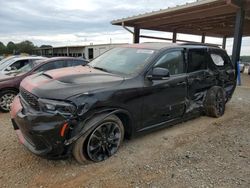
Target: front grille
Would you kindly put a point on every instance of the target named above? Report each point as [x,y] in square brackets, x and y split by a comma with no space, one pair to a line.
[30,99]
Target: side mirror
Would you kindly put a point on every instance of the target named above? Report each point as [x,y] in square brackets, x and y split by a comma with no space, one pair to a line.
[11,69]
[8,69]
[159,74]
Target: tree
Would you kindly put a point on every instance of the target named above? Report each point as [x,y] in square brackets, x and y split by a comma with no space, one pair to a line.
[45,46]
[11,48]
[25,47]
[2,48]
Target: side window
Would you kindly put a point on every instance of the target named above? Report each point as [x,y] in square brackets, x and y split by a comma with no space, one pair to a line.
[72,63]
[47,66]
[19,64]
[197,60]
[52,65]
[60,64]
[218,60]
[221,60]
[173,61]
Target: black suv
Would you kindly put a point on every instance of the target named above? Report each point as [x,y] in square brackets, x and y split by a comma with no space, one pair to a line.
[88,110]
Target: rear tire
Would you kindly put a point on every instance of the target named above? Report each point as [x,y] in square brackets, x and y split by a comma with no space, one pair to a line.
[103,142]
[215,102]
[6,98]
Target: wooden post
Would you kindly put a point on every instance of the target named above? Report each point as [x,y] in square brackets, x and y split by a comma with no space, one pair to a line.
[224,42]
[136,35]
[174,36]
[203,38]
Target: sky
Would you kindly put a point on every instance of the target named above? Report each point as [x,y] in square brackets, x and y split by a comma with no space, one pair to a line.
[81,22]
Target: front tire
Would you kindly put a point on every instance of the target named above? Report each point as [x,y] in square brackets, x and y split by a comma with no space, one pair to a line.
[103,142]
[215,102]
[6,98]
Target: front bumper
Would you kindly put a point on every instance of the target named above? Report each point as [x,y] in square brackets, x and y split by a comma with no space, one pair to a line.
[39,131]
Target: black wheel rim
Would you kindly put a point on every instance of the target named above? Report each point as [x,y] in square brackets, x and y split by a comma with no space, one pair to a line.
[104,141]
[219,103]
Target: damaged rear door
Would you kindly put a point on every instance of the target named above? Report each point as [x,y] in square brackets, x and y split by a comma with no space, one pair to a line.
[200,78]
[223,69]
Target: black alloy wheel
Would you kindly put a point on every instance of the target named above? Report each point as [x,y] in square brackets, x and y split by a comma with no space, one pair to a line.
[220,103]
[104,141]
[215,102]
[101,142]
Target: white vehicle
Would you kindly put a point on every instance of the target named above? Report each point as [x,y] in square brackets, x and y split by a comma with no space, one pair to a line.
[6,59]
[14,64]
[242,67]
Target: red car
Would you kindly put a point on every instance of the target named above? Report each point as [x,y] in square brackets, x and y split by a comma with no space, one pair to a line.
[9,84]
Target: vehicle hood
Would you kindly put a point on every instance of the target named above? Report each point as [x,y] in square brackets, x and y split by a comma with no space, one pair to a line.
[66,82]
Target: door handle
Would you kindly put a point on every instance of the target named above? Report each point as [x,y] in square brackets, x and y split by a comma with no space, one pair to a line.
[181,83]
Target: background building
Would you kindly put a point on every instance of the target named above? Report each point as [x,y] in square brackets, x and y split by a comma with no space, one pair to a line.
[88,52]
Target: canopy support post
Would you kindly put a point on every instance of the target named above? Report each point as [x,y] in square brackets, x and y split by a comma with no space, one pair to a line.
[239,25]
[136,36]
[224,42]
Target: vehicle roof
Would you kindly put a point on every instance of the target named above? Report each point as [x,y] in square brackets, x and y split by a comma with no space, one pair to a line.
[28,57]
[8,58]
[63,58]
[164,45]
[47,60]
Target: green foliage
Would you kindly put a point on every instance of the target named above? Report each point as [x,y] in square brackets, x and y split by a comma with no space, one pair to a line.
[2,48]
[12,48]
[45,46]
[25,47]
[245,58]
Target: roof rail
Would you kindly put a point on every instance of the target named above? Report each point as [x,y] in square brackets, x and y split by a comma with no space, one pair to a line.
[202,44]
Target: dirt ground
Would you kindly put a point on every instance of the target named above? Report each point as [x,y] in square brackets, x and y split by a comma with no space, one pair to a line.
[204,152]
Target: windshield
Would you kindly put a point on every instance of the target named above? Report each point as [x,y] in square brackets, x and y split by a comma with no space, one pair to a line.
[126,61]
[6,59]
[4,64]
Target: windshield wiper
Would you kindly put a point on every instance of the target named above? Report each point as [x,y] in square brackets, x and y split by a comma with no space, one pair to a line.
[102,69]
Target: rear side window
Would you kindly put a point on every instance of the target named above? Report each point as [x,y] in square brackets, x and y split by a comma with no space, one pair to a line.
[197,60]
[173,61]
[218,60]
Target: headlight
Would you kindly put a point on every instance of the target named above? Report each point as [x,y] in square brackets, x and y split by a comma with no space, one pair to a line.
[57,106]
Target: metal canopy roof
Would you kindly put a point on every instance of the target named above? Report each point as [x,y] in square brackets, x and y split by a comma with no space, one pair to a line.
[214,18]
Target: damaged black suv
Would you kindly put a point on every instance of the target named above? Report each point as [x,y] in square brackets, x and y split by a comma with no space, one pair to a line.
[88,110]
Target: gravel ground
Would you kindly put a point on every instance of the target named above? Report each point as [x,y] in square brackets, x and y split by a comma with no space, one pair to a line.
[204,152]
